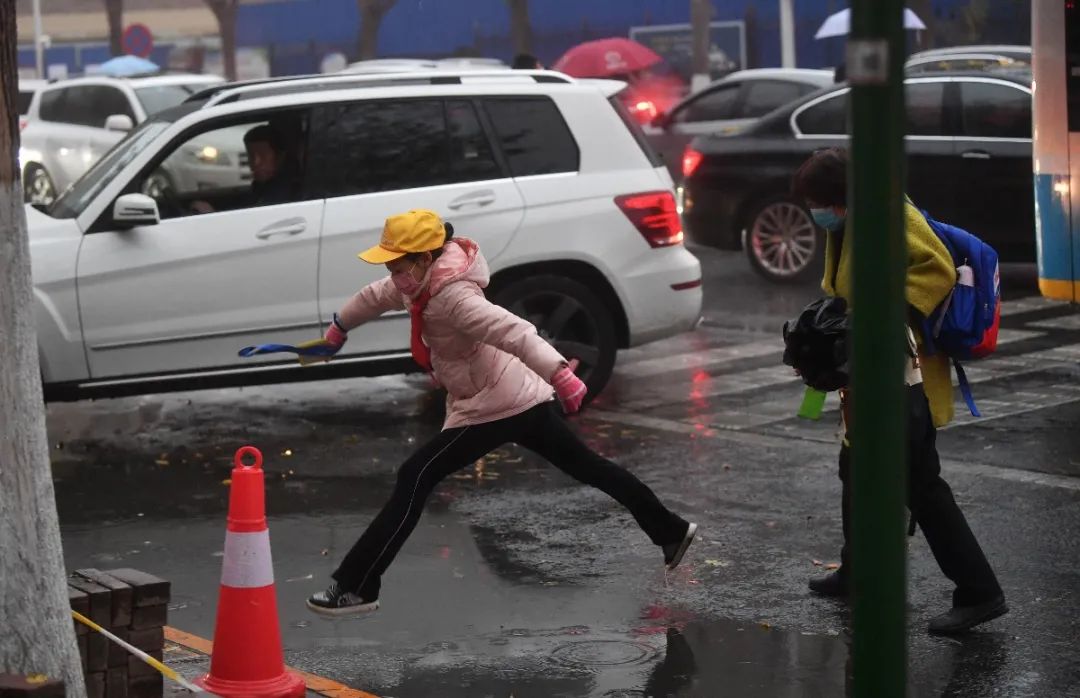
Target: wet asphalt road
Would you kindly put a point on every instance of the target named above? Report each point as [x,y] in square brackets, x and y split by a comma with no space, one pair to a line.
[518,582]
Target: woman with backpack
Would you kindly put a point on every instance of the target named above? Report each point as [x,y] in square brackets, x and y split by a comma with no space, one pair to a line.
[822,183]
[502,382]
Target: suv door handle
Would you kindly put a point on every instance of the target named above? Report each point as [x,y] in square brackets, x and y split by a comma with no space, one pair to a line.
[485,197]
[975,155]
[282,229]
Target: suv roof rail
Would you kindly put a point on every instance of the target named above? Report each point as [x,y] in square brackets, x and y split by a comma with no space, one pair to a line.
[252,89]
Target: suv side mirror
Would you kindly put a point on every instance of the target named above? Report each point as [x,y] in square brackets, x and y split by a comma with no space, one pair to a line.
[119,122]
[131,210]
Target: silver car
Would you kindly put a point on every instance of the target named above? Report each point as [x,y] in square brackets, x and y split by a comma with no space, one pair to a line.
[728,104]
[71,124]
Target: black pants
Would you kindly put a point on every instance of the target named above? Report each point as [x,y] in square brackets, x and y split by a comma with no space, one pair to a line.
[541,429]
[932,504]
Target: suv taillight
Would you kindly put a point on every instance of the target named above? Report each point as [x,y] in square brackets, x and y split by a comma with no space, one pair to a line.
[22,122]
[691,160]
[653,214]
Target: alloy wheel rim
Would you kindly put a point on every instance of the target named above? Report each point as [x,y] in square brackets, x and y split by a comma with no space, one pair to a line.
[783,239]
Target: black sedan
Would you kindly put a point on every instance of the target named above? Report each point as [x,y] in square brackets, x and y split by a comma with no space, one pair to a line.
[969,163]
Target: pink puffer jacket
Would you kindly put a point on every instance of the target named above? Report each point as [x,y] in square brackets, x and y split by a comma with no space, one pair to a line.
[491,362]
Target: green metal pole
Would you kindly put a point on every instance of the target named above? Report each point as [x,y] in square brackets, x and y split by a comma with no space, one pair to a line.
[876,195]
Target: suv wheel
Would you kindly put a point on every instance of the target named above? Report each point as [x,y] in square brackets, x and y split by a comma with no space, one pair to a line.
[38,186]
[782,241]
[571,317]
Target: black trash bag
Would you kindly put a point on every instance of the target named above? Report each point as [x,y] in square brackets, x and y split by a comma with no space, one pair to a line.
[816,344]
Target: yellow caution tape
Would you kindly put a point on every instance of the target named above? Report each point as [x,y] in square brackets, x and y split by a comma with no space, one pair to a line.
[165,671]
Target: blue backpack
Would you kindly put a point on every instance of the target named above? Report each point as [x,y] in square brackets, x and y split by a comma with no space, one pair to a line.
[965,325]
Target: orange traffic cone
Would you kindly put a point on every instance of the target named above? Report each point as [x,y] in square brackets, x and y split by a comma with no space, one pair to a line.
[247,661]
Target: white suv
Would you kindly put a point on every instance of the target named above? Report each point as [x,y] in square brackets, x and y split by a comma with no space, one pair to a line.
[549,175]
[72,123]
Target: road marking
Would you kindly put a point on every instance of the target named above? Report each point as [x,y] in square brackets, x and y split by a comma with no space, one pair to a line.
[1007,336]
[1066,322]
[823,448]
[1029,305]
[317,684]
[710,386]
[1019,402]
[703,359]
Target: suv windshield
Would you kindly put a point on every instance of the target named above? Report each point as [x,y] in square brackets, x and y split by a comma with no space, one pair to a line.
[79,195]
[161,97]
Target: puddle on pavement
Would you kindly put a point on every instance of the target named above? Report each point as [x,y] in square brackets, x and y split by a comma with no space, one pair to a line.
[700,658]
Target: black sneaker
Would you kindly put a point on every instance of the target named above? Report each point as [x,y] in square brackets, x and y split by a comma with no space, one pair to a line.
[960,619]
[673,552]
[335,603]
[835,585]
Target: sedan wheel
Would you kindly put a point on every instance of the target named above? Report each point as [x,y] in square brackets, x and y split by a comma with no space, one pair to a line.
[39,187]
[782,242]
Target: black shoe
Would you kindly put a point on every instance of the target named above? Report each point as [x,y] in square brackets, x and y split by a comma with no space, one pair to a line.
[673,552]
[960,619]
[335,603]
[835,585]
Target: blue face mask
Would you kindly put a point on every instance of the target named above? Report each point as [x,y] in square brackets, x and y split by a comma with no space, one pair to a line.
[827,219]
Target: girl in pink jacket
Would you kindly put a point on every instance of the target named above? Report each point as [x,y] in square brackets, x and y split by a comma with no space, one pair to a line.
[500,378]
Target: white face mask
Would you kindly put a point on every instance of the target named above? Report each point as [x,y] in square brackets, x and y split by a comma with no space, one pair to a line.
[407,283]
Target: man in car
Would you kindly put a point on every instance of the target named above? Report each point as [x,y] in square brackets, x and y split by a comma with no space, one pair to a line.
[272,180]
[822,183]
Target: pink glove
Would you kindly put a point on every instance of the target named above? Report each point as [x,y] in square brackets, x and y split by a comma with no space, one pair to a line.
[336,336]
[569,388]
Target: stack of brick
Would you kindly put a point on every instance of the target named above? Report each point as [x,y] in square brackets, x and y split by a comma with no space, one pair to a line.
[133,606]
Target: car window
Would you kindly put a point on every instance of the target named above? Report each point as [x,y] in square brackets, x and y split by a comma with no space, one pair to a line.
[533,136]
[54,106]
[109,101]
[227,167]
[995,110]
[374,146]
[84,105]
[471,155]
[763,96]
[156,98]
[925,102]
[828,117]
[717,105]
[969,63]
[79,195]
[24,102]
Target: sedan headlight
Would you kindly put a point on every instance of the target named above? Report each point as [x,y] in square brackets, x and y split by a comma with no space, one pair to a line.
[210,155]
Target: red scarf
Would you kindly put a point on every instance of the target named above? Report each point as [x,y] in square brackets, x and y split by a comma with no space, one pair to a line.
[421,353]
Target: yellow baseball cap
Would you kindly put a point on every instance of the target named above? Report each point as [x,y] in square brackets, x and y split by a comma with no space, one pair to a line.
[419,230]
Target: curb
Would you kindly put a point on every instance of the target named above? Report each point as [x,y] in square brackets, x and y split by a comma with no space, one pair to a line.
[320,685]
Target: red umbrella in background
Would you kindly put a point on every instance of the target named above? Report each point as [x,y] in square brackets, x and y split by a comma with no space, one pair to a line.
[606,57]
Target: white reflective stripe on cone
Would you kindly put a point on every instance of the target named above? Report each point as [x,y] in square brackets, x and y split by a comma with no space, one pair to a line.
[247,563]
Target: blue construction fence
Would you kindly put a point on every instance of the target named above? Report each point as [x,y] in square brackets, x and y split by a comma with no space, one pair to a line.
[296,35]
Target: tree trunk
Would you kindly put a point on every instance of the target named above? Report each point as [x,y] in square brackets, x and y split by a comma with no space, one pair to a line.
[37,634]
[520,26]
[371,17]
[225,12]
[114,9]
[700,17]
